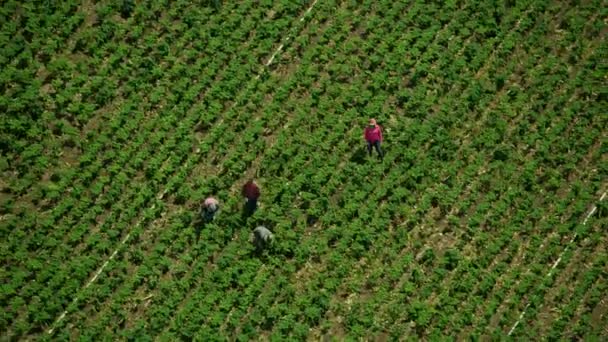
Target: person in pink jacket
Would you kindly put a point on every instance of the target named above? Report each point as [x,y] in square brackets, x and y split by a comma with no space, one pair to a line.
[373,136]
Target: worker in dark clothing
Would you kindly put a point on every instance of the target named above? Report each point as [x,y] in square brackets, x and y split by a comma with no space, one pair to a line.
[373,137]
[262,237]
[251,192]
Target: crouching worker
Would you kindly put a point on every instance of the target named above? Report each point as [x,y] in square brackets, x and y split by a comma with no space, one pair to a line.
[262,237]
[209,209]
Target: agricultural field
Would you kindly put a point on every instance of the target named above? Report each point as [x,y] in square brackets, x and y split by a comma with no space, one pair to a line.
[487,218]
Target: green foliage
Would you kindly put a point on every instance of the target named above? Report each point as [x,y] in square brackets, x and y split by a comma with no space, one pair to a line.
[120,117]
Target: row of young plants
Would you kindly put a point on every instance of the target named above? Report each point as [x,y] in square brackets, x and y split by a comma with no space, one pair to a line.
[290,149]
[575,123]
[309,311]
[207,243]
[106,138]
[214,297]
[59,72]
[554,304]
[215,318]
[439,287]
[186,320]
[367,319]
[193,91]
[286,306]
[123,134]
[284,192]
[26,25]
[134,206]
[424,204]
[106,35]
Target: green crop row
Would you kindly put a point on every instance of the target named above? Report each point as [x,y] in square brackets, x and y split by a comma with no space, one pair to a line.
[494,141]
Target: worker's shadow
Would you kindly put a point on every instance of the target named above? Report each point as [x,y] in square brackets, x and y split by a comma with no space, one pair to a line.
[221,236]
[359,155]
[255,253]
[261,254]
[198,224]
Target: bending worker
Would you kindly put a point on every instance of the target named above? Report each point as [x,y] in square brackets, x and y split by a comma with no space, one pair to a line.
[209,209]
[251,192]
[262,237]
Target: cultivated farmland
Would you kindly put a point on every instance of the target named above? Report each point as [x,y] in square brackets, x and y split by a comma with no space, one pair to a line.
[486,218]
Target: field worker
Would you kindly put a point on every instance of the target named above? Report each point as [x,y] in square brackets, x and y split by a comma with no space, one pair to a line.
[209,209]
[373,136]
[251,192]
[262,237]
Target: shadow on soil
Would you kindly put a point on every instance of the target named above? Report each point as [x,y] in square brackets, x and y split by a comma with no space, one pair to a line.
[359,156]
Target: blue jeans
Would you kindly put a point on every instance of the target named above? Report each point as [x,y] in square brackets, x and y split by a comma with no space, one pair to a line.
[375,144]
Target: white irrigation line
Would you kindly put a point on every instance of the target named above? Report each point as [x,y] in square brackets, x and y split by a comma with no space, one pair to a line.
[92,280]
[274,54]
[107,261]
[308,10]
[557,262]
[160,196]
